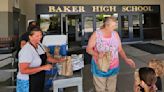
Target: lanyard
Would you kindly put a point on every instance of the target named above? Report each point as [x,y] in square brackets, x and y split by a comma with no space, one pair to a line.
[36,49]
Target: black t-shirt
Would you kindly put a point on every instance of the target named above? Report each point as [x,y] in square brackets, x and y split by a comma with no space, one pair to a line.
[159,84]
[25,37]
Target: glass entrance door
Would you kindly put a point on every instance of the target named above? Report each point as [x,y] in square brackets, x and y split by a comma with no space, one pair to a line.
[130,27]
[88,26]
[71,26]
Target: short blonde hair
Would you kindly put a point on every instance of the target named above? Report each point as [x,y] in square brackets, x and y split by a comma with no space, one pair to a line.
[158,66]
[107,21]
[136,77]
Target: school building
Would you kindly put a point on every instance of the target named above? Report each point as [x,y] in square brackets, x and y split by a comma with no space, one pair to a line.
[138,20]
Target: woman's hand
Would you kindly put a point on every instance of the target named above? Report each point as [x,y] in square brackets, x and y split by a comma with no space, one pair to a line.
[145,86]
[98,55]
[137,89]
[153,88]
[130,62]
[101,54]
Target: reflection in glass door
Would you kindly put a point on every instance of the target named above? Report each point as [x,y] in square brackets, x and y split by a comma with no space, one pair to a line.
[72,28]
[125,34]
[136,26]
[130,27]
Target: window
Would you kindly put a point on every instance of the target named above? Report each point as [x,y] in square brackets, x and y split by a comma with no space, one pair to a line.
[50,23]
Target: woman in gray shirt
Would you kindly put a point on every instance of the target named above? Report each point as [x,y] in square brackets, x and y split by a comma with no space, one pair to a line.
[32,63]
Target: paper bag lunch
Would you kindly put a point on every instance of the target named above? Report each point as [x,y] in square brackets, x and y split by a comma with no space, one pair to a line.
[66,67]
[104,62]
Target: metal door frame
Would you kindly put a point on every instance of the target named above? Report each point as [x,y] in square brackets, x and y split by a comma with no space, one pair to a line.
[130,27]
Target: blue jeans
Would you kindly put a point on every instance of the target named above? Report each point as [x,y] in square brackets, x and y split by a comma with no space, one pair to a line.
[22,85]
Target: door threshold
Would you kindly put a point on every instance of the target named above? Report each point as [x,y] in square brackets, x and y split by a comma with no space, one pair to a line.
[133,42]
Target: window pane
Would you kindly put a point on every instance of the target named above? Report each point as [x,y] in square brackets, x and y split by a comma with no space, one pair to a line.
[50,23]
[124,26]
[136,26]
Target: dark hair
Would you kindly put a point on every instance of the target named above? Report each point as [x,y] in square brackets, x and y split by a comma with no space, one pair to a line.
[31,25]
[34,29]
[147,75]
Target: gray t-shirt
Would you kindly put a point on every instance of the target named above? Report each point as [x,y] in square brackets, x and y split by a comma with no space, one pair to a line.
[28,54]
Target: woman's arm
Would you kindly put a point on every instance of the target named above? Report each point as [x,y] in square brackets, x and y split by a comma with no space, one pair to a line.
[91,45]
[123,55]
[25,69]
